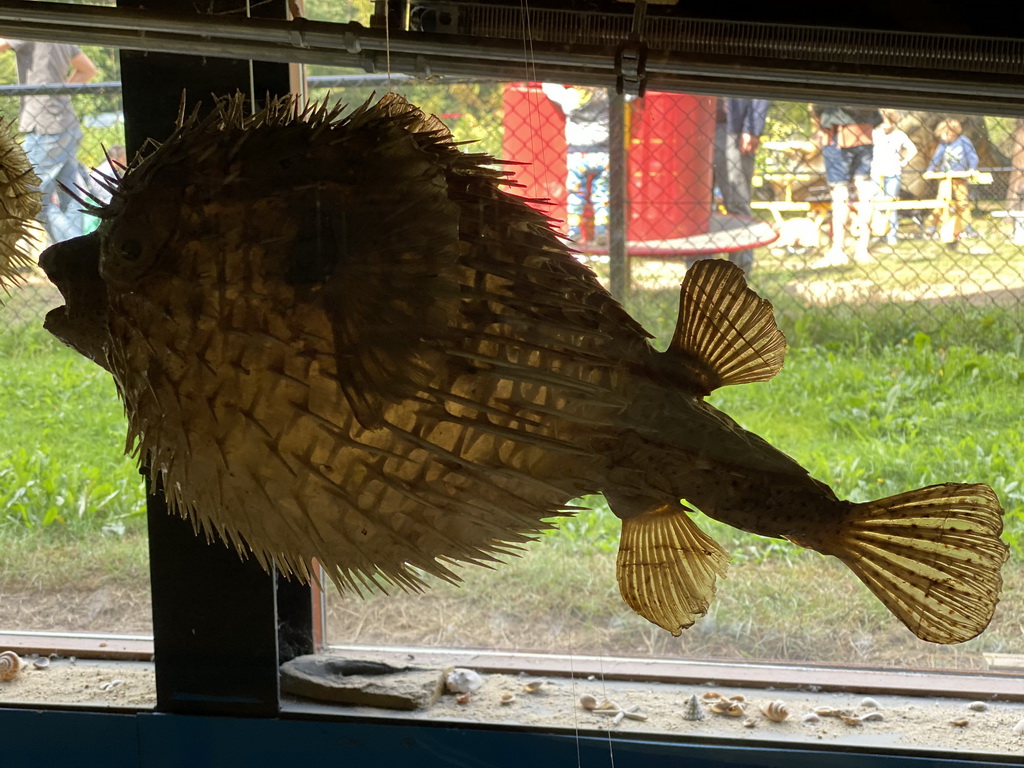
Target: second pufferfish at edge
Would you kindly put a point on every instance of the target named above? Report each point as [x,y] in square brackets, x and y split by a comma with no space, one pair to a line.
[337,337]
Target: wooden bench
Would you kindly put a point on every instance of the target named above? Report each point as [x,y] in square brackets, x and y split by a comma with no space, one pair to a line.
[1017,217]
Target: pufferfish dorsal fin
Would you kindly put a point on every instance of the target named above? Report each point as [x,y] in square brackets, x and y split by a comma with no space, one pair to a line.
[726,333]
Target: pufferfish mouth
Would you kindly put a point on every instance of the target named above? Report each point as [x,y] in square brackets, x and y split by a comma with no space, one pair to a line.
[73,267]
[72,264]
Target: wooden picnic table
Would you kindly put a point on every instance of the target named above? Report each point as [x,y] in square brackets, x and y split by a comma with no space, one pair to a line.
[942,203]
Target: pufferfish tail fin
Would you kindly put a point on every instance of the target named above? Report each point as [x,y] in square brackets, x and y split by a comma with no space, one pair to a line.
[667,566]
[726,333]
[932,556]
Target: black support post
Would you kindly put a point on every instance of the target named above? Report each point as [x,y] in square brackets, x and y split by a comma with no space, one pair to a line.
[617,177]
[215,616]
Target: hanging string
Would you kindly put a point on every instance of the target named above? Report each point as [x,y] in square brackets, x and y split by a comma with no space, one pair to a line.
[252,74]
[387,40]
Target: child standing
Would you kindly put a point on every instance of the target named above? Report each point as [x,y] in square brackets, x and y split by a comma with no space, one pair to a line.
[955,152]
[893,150]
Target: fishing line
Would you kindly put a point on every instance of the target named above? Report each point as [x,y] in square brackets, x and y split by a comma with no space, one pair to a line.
[604,692]
[533,127]
[252,74]
[529,76]
[387,41]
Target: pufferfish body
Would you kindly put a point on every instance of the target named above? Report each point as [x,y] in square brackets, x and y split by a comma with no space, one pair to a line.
[20,203]
[339,338]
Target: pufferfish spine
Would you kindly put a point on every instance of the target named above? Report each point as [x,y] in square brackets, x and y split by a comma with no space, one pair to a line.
[20,203]
[325,349]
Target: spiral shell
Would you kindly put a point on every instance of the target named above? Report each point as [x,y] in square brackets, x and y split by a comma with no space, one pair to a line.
[10,665]
[692,709]
[776,711]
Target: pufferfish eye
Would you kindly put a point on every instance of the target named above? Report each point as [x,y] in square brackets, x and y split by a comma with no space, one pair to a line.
[131,245]
[131,250]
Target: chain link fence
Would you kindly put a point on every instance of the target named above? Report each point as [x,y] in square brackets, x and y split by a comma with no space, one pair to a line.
[927,238]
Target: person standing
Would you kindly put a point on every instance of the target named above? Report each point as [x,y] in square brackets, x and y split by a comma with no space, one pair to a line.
[844,135]
[955,154]
[52,131]
[739,124]
[893,149]
[586,132]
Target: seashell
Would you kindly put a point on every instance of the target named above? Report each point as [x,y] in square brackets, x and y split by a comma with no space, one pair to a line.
[1019,728]
[776,711]
[738,697]
[728,708]
[868,703]
[959,722]
[110,685]
[872,717]
[850,719]
[978,706]
[749,723]
[463,698]
[462,680]
[507,698]
[10,665]
[811,717]
[830,712]
[709,695]
[588,702]
[41,663]
[533,686]
[692,709]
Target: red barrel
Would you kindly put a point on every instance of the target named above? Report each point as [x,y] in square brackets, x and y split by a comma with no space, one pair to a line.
[671,139]
[535,135]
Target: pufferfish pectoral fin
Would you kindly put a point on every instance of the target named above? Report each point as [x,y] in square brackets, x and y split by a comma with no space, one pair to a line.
[667,567]
[726,333]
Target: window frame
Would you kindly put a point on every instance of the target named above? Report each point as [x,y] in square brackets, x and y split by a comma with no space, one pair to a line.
[223,625]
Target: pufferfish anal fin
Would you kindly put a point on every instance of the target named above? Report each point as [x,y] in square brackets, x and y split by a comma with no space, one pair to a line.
[726,333]
[667,567]
[932,556]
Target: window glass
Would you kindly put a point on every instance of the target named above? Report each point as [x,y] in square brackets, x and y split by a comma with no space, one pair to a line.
[74,564]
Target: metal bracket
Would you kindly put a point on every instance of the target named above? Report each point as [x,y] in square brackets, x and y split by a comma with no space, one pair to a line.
[631,56]
[630,72]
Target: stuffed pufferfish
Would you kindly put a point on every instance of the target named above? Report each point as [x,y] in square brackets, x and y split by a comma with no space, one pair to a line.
[338,337]
[20,203]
